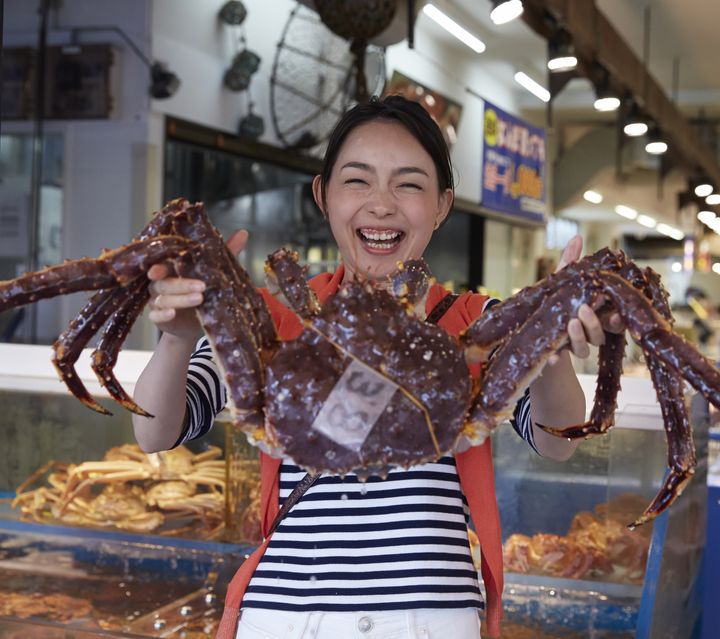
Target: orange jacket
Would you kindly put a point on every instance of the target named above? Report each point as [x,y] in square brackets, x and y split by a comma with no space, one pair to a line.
[474,466]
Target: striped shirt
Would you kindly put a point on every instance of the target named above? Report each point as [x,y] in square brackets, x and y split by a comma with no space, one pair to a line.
[391,544]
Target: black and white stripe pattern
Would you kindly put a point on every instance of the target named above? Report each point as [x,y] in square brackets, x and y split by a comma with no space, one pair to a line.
[393,544]
[390,544]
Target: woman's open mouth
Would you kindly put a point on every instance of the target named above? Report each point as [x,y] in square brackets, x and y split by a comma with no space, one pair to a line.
[380,239]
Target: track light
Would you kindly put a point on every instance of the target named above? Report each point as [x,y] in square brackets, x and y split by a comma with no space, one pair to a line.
[655,144]
[163,82]
[504,11]
[605,101]
[635,124]
[713,199]
[704,189]
[561,52]
[699,184]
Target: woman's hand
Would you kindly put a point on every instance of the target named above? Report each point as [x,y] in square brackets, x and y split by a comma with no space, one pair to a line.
[587,328]
[173,299]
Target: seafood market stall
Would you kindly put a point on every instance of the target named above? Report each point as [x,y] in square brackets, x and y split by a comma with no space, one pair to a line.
[73,566]
[572,567]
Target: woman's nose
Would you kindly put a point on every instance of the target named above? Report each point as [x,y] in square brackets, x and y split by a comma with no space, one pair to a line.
[382,203]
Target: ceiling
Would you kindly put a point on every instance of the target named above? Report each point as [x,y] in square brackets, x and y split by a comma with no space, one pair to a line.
[685,30]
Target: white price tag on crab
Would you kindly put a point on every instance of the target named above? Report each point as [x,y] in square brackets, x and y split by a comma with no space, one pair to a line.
[354,405]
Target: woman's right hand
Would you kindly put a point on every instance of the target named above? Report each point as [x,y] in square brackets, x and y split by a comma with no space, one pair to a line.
[173,299]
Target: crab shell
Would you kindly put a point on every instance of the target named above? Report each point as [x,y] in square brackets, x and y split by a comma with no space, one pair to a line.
[419,413]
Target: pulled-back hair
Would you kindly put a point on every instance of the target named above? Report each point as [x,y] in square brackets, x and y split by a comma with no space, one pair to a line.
[393,108]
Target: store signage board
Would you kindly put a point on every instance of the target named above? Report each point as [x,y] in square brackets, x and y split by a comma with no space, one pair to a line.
[513,166]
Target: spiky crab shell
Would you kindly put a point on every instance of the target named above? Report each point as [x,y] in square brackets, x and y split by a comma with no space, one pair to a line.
[418,420]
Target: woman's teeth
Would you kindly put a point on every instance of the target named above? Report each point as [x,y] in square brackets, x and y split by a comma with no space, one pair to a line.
[380,239]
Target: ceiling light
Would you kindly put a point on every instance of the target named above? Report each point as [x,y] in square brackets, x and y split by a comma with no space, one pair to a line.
[676,267]
[505,10]
[646,220]
[607,103]
[706,217]
[635,129]
[452,27]
[655,145]
[561,52]
[670,231]
[536,89]
[713,199]
[593,197]
[634,124]
[626,211]
[704,189]
[716,268]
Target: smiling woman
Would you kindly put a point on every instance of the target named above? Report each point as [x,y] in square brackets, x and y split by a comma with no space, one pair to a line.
[385,208]
[385,187]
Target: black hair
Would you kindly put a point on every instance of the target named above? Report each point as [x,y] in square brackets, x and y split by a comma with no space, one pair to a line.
[393,108]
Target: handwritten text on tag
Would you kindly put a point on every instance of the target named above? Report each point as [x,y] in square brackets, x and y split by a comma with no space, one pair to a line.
[354,405]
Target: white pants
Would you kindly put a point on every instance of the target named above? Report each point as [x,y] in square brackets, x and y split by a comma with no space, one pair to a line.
[463,623]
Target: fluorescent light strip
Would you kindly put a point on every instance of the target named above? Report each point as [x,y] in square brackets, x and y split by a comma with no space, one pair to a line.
[539,91]
[452,27]
[670,231]
[626,211]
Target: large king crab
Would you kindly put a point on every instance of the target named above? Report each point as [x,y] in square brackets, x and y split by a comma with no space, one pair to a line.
[367,384]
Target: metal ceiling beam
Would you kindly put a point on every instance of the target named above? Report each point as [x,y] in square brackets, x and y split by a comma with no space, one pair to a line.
[596,39]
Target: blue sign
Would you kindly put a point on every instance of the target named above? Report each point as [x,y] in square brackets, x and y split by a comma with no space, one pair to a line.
[513,167]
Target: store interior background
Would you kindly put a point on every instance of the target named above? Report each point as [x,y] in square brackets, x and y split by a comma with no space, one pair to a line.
[102,178]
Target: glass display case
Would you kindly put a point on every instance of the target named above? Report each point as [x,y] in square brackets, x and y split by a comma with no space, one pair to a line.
[573,568]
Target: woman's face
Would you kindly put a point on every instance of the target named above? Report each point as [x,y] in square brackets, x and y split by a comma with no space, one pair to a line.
[382,201]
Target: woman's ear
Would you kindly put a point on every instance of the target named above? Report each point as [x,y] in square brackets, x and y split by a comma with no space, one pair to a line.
[318,194]
[447,197]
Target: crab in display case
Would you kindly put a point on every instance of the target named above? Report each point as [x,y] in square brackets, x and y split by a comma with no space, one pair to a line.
[367,384]
[171,492]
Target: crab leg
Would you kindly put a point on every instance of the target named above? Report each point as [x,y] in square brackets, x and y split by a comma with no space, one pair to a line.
[105,355]
[681,449]
[522,357]
[653,332]
[602,416]
[119,266]
[492,327]
[69,345]
[284,275]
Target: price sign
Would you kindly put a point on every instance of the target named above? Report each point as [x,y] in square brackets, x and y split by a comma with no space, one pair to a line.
[354,405]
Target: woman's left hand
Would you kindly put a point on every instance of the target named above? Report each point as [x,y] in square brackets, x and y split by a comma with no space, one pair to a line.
[587,328]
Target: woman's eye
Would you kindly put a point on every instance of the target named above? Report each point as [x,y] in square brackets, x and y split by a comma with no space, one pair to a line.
[355,181]
[410,185]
